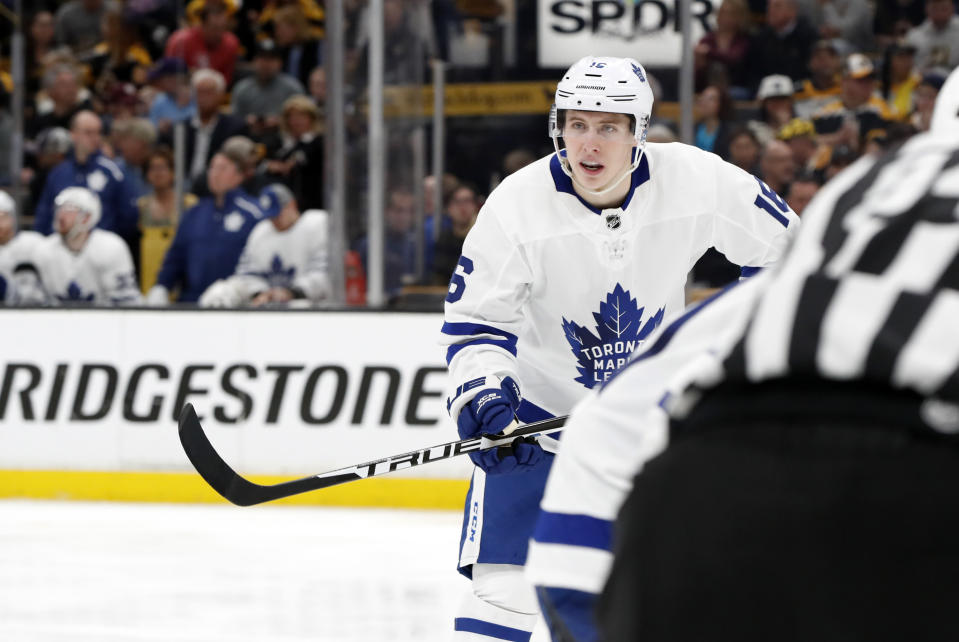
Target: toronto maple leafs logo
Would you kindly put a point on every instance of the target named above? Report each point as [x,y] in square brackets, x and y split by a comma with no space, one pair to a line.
[620,328]
[75,294]
[278,276]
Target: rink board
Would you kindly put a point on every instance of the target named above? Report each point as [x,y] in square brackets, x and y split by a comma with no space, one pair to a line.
[88,400]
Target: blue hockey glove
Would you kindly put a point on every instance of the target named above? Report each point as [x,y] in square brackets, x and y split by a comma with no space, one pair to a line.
[490,412]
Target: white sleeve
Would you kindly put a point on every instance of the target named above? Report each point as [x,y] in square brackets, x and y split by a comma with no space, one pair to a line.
[752,226]
[615,430]
[246,280]
[118,277]
[314,279]
[484,307]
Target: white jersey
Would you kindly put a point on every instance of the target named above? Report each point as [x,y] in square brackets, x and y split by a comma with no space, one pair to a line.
[16,253]
[295,259]
[100,273]
[557,294]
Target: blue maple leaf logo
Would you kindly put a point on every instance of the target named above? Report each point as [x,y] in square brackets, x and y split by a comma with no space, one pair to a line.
[75,293]
[619,330]
[279,276]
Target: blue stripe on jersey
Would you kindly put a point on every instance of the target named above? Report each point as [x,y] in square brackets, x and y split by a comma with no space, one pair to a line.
[747,271]
[500,343]
[508,341]
[490,630]
[574,530]
[564,183]
[669,331]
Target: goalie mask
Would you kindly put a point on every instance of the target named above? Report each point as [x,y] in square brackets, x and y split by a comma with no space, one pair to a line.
[76,211]
[602,84]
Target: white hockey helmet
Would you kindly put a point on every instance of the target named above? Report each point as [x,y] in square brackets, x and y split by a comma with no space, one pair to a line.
[84,201]
[8,205]
[615,85]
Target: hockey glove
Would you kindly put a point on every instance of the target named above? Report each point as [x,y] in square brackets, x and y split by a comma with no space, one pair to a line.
[492,411]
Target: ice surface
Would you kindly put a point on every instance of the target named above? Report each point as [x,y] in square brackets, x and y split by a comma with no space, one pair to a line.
[111,572]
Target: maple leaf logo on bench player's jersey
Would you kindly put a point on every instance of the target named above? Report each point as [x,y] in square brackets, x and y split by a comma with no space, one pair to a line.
[620,328]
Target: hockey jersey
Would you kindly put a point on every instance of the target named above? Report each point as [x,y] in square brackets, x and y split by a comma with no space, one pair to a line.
[557,294]
[295,258]
[100,273]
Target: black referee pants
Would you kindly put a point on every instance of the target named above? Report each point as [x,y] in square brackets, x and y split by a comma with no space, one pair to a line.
[791,511]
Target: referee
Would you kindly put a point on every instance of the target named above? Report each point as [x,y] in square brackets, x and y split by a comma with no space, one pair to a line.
[796,437]
[810,488]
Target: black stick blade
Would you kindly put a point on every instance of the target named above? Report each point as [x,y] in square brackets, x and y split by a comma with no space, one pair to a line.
[234,488]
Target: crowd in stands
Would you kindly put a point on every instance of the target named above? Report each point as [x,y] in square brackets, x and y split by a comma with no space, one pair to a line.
[790,90]
[797,90]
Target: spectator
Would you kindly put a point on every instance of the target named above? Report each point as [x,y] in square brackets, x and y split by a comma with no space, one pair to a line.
[801,192]
[82,264]
[49,150]
[294,36]
[822,86]
[285,258]
[174,103]
[65,96]
[210,236]
[258,99]
[726,47]
[209,44]
[298,163]
[317,86]
[714,110]
[925,98]
[133,141]
[462,209]
[78,24]
[517,159]
[849,21]
[407,46]
[159,213]
[937,39]
[41,40]
[399,249]
[16,250]
[858,110]
[120,56]
[744,149]
[776,166]
[800,135]
[207,131]
[841,157]
[899,78]
[88,167]
[894,19]
[775,97]
[253,180]
[783,44]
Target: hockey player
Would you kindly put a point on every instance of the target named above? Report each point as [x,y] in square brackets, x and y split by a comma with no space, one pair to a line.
[285,258]
[80,263]
[18,283]
[573,262]
[803,428]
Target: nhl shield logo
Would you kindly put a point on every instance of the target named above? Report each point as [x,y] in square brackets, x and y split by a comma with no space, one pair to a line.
[613,221]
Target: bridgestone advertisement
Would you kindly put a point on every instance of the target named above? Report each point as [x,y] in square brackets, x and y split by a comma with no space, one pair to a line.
[277,392]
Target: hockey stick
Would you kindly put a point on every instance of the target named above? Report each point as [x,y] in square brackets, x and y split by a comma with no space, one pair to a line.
[243,492]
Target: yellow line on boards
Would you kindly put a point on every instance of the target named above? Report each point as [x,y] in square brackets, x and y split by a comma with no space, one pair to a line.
[190,488]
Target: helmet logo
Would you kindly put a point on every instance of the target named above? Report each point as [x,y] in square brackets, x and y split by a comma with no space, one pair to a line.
[639,72]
